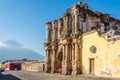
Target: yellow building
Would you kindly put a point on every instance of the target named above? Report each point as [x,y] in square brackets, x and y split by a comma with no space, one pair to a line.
[100,54]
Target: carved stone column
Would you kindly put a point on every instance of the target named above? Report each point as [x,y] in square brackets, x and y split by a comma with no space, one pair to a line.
[70,53]
[76,65]
[59,28]
[67,25]
[65,62]
[77,25]
[48,62]
[64,25]
[81,25]
[48,27]
[67,52]
[53,62]
[54,31]
[73,53]
[73,24]
[77,51]
[63,54]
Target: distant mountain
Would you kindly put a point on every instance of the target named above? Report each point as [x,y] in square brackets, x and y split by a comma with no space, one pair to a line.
[12,49]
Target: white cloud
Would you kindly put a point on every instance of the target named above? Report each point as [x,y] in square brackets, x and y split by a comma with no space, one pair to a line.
[24,46]
[11,44]
[2,45]
[12,49]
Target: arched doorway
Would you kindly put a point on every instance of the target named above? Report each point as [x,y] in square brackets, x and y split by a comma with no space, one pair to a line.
[59,59]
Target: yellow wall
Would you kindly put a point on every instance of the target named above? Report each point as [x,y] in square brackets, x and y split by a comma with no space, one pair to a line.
[33,66]
[106,59]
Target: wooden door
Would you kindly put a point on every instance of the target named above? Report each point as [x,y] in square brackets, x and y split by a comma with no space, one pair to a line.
[91,66]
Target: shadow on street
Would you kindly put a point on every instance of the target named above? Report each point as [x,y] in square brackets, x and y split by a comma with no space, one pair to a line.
[8,77]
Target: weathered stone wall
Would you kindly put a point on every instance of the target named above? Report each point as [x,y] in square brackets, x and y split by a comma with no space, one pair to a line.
[33,66]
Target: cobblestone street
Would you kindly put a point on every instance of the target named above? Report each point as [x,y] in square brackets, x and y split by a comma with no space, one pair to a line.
[20,75]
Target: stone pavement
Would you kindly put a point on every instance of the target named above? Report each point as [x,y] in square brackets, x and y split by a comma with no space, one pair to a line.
[21,75]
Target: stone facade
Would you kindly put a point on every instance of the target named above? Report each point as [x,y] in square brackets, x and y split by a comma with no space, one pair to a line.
[64,37]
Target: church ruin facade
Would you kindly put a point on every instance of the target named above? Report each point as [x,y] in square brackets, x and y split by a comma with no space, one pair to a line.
[74,42]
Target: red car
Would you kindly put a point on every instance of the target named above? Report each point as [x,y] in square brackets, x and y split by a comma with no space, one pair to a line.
[57,70]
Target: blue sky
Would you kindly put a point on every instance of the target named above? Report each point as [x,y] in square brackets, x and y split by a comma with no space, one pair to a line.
[24,20]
